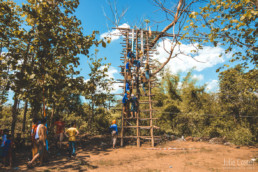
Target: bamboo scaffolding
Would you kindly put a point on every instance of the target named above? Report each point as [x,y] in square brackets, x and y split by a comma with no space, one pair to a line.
[137,40]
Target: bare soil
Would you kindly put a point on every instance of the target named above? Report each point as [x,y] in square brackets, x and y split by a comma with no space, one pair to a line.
[95,154]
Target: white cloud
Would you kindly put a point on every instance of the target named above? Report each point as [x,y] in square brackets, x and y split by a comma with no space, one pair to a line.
[111,74]
[114,34]
[212,86]
[111,71]
[116,88]
[198,77]
[207,57]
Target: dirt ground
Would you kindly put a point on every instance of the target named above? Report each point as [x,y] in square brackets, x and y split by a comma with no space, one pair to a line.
[94,154]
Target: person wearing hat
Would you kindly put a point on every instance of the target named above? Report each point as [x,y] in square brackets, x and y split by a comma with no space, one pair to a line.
[134,105]
[114,133]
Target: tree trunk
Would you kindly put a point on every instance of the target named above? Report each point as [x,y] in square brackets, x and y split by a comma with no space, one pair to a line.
[35,109]
[92,112]
[52,117]
[24,116]
[14,115]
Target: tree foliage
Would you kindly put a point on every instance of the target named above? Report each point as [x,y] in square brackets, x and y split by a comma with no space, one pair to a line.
[189,109]
[228,23]
[41,56]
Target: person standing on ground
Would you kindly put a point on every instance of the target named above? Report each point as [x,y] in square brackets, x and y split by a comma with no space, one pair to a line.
[7,151]
[40,138]
[114,133]
[34,148]
[71,133]
[59,132]
[4,139]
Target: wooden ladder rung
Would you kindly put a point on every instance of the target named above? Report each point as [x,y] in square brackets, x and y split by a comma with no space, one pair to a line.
[142,127]
[142,137]
[141,119]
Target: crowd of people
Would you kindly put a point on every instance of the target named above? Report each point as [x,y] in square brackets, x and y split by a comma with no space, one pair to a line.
[129,99]
[39,141]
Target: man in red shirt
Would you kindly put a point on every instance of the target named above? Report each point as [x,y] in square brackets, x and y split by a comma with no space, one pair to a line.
[60,126]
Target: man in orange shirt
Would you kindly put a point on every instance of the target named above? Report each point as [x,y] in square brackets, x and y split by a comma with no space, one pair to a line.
[59,131]
[33,133]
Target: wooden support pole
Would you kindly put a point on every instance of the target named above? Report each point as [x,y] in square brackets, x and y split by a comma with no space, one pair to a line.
[150,104]
[125,76]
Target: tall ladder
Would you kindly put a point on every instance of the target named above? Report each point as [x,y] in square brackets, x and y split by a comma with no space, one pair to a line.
[143,41]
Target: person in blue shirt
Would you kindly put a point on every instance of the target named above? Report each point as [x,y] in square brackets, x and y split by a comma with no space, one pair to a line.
[137,63]
[127,86]
[127,67]
[114,133]
[130,55]
[134,105]
[125,101]
[7,150]
[128,70]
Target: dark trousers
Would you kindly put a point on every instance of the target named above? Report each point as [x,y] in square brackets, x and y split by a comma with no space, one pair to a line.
[71,148]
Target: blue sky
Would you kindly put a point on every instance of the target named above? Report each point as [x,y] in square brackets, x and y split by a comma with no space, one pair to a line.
[90,12]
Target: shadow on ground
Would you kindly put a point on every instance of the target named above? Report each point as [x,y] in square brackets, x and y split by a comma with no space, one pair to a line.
[59,160]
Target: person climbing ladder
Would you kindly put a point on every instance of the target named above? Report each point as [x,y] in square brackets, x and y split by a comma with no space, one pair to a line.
[125,101]
[144,82]
[134,105]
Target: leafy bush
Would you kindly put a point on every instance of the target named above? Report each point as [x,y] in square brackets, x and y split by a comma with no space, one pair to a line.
[242,135]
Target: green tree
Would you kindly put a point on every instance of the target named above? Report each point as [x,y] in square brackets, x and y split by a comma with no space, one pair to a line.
[238,97]
[231,24]
[97,89]
[10,33]
[43,55]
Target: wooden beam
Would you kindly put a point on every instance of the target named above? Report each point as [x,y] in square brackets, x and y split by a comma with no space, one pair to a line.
[143,127]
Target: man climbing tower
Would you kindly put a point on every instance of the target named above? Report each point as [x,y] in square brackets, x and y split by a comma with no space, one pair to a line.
[128,71]
[147,71]
[134,105]
[144,82]
[127,86]
[130,54]
[125,102]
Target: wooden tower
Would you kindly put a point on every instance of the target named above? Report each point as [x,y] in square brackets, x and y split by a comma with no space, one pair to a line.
[142,125]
